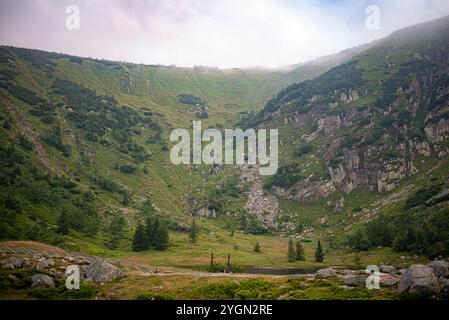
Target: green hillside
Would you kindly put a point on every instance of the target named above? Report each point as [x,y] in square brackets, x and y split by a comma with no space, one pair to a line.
[364,134]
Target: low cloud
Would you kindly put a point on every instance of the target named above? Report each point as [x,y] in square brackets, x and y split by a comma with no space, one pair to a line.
[222,33]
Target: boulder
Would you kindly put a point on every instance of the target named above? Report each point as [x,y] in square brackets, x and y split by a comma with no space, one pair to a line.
[440,268]
[325,273]
[100,271]
[45,264]
[354,279]
[12,263]
[419,280]
[388,269]
[388,280]
[42,280]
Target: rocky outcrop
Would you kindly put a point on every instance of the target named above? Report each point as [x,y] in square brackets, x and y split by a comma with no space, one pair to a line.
[306,191]
[419,280]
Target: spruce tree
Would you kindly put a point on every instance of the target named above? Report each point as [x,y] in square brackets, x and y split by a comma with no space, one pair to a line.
[300,252]
[140,239]
[291,254]
[193,233]
[161,237]
[151,226]
[257,247]
[319,254]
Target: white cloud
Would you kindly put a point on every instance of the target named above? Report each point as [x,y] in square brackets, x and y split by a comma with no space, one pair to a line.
[226,33]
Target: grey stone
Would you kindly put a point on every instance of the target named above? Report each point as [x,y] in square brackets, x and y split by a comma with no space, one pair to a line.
[354,279]
[388,269]
[325,273]
[45,264]
[42,280]
[101,271]
[440,268]
[419,280]
[389,280]
[12,263]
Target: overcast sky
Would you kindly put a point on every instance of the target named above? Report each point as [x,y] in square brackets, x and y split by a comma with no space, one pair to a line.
[222,33]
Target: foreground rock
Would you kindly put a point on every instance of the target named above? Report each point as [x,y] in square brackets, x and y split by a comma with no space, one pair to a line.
[326,273]
[100,271]
[440,268]
[12,263]
[42,280]
[419,280]
[388,269]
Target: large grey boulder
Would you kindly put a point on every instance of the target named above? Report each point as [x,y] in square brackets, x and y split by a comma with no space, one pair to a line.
[440,268]
[419,280]
[42,280]
[388,269]
[388,280]
[100,271]
[355,279]
[326,273]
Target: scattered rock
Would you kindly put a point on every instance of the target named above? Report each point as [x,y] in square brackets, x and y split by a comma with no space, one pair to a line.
[12,263]
[101,271]
[440,268]
[388,280]
[325,273]
[237,297]
[388,269]
[419,280]
[354,279]
[45,264]
[42,280]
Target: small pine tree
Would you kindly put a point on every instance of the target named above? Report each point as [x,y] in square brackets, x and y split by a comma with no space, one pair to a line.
[140,239]
[193,233]
[161,237]
[63,223]
[257,247]
[319,254]
[300,252]
[291,254]
[151,226]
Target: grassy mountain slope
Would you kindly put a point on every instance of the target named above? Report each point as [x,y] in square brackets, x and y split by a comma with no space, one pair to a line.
[87,140]
[370,138]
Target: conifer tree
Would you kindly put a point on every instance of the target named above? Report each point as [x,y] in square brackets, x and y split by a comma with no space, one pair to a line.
[160,239]
[257,247]
[300,252]
[291,254]
[140,239]
[319,254]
